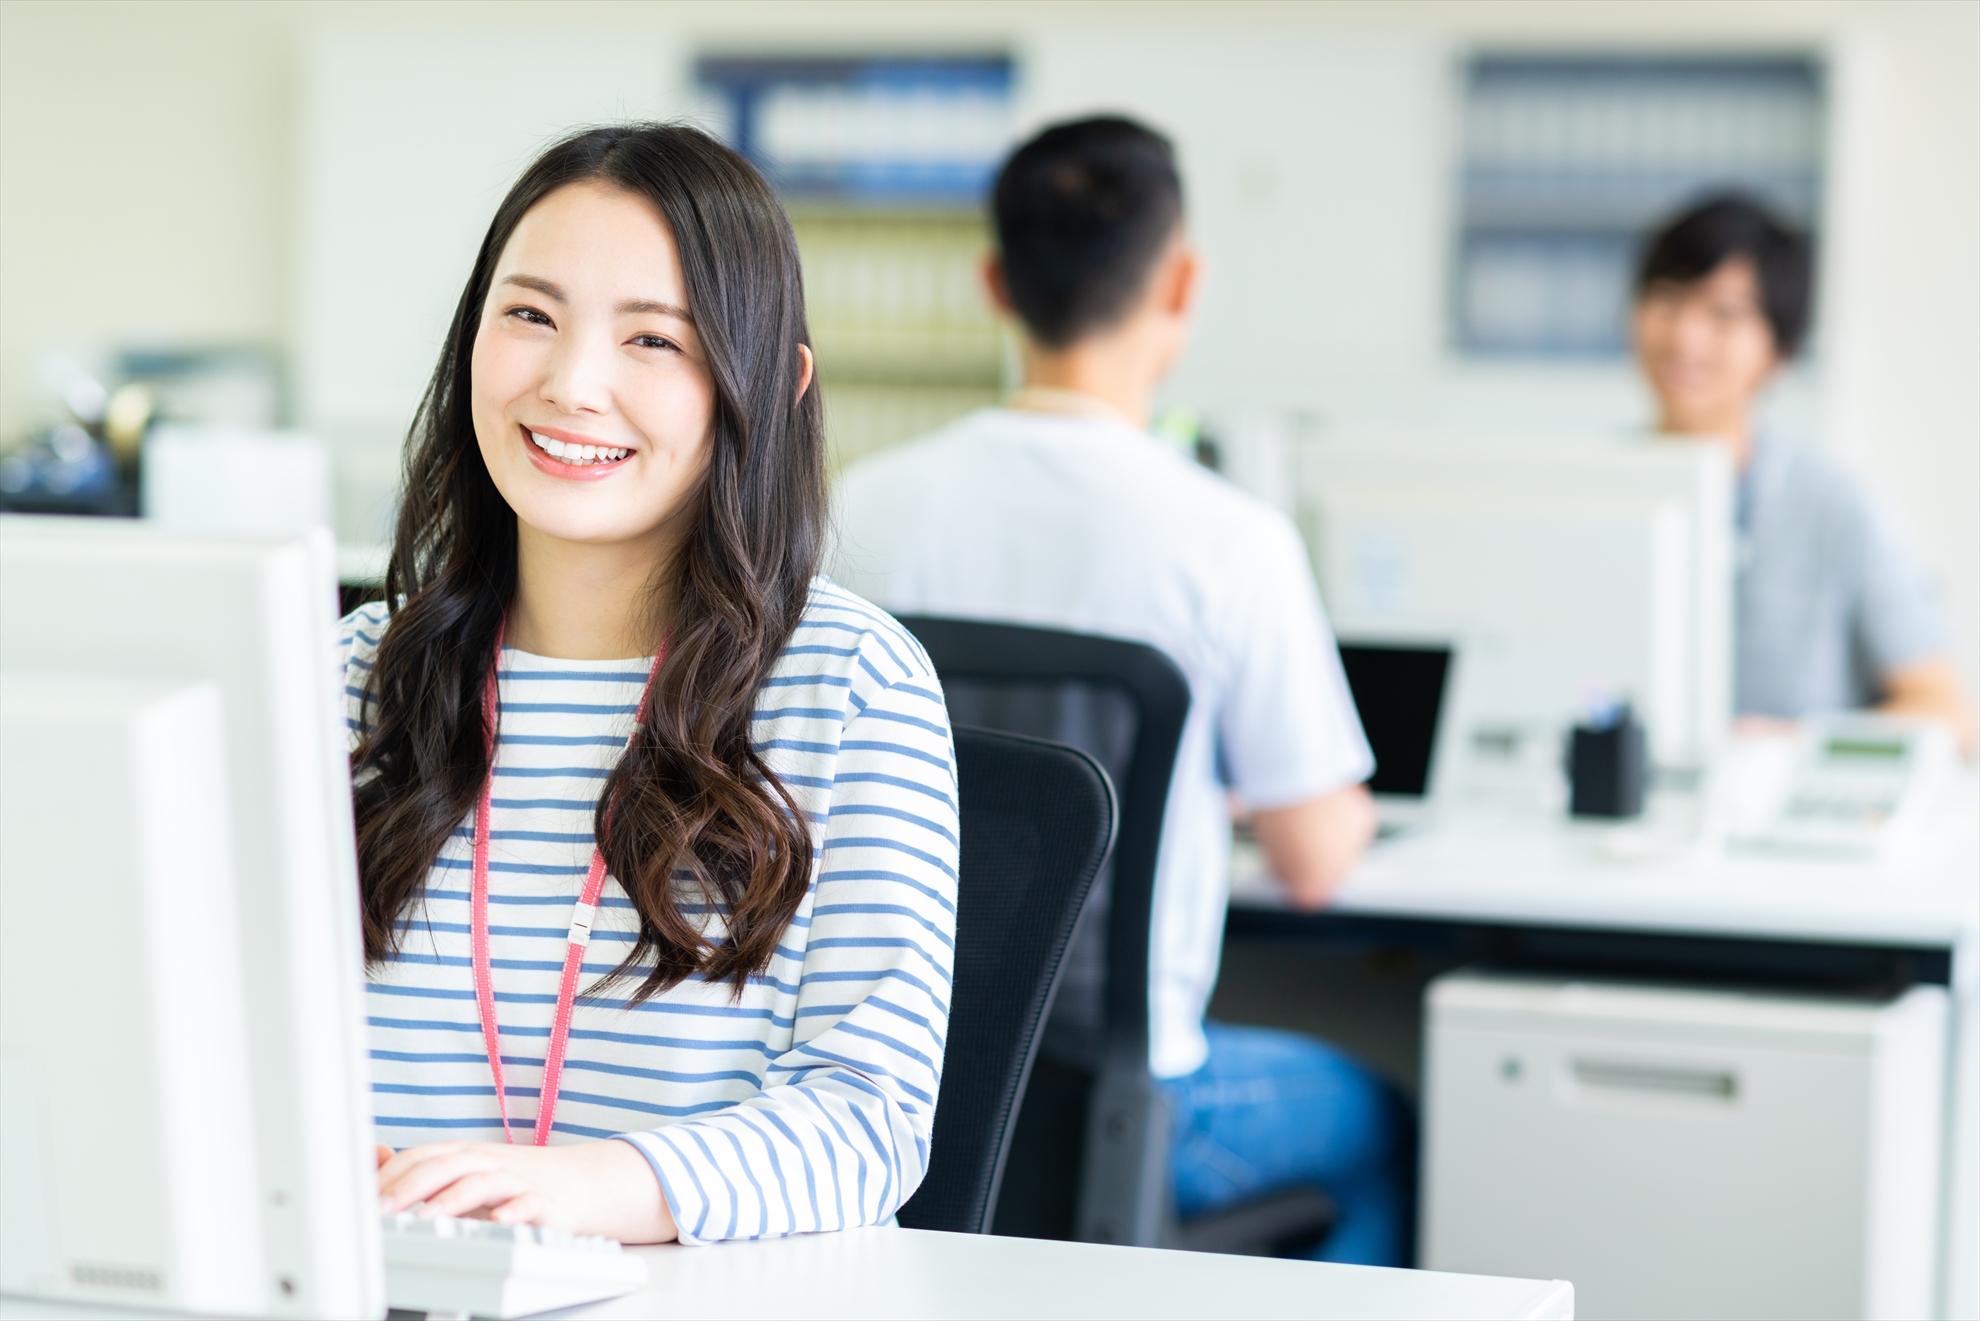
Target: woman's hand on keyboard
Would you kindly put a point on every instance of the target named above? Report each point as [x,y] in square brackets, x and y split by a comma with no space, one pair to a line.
[603,1188]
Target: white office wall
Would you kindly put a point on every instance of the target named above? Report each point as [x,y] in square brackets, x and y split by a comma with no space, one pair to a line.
[394,197]
[144,167]
[186,170]
[1316,170]
[1905,401]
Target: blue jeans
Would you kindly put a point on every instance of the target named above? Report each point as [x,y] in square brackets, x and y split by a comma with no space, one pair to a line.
[1271,1110]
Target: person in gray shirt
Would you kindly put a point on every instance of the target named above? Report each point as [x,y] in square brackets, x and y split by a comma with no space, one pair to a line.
[1835,608]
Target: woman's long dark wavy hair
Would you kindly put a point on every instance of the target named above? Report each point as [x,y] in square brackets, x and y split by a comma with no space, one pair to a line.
[691,796]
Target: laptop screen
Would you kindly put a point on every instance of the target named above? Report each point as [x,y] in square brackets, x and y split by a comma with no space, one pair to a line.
[1399,694]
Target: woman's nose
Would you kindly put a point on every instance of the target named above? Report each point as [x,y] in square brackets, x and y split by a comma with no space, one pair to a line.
[579,378]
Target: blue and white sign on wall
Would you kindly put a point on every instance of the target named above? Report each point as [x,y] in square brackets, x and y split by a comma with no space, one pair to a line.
[882,130]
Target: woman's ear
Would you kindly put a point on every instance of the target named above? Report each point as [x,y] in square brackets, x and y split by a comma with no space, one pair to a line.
[804,369]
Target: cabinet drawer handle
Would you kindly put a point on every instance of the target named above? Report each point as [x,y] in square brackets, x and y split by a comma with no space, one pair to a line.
[1657,1079]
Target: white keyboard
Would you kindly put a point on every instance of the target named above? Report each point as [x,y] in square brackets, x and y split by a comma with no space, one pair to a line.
[461,1268]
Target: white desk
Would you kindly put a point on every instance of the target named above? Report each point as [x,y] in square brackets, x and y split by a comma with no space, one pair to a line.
[915,1273]
[919,1273]
[1552,873]
[1552,876]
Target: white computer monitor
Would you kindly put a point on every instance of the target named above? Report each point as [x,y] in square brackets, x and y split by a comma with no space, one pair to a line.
[1561,569]
[187,1124]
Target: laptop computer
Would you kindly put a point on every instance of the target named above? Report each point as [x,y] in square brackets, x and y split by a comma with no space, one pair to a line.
[1402,693]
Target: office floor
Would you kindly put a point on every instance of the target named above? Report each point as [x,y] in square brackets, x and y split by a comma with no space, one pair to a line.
[1367,1001]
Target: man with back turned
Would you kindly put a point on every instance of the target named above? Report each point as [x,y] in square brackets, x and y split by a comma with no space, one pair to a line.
[1059,510]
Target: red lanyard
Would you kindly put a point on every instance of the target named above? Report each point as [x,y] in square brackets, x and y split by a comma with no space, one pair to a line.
[580,933]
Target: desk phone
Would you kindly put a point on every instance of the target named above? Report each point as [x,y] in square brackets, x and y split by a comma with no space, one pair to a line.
[1855,785]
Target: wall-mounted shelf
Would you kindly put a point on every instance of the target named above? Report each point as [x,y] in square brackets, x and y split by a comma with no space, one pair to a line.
[884,162]
[1569,160]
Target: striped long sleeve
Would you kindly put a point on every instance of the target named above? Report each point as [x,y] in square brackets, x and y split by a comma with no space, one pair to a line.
[839,1134]
[807,1103]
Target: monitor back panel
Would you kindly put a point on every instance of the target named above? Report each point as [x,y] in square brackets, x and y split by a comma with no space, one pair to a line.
[255,617]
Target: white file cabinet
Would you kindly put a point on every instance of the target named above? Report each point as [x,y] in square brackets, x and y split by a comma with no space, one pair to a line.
[1684,1153]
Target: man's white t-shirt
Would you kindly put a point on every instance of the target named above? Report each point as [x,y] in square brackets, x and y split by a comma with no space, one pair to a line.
[1087,524]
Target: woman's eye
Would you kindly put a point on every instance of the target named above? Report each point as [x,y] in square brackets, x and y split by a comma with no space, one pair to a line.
[652,342]
[530,315]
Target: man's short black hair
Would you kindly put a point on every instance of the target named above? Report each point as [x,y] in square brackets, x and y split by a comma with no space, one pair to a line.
[1695,244]
[1083,210]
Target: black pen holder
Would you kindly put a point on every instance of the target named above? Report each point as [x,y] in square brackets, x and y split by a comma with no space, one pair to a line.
[1607,768]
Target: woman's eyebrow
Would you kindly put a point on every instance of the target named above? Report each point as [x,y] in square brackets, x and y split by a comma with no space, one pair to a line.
[648,306]
[630,307]
[542,286]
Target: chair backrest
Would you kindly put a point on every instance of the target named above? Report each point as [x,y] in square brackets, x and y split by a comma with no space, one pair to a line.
[1038,821]
[1124,703]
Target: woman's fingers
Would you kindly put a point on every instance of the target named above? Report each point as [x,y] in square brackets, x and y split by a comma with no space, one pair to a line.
[472,1192]
[419,1180]
[463,1178]
[399,1162]
[394,1174]
[527,1209]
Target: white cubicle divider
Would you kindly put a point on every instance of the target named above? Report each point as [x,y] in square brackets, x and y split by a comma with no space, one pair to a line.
[1683,1153]
[1563,569]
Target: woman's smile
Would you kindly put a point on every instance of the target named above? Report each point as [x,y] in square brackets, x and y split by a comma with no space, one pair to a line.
[571,457]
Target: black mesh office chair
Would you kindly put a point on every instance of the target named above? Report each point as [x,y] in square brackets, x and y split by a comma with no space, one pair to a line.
[1037,823]
[1090,1156]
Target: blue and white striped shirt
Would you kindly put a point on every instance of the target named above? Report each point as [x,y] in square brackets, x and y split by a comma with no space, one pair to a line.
[808,1104]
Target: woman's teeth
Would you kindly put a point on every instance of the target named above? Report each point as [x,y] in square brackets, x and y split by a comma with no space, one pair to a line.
[576,454]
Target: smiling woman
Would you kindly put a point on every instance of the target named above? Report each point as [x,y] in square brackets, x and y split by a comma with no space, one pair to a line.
[608,706]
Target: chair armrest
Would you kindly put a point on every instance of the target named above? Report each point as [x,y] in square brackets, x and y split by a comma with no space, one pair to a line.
[1124,1185]
[1261,1226]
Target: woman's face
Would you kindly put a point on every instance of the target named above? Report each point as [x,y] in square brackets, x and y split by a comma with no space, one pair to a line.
[1706,347]
[592,400]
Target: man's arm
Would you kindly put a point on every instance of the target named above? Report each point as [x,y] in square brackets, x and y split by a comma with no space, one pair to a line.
[1929,690]
[1311,845]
